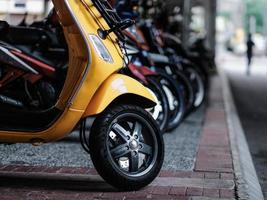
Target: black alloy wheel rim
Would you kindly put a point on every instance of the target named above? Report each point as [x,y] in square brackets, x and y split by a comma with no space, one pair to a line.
[132,145]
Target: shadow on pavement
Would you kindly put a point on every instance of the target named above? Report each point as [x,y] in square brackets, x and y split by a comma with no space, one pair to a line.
[55,182]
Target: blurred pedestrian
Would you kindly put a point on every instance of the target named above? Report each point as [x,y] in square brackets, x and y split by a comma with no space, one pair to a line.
[250,45]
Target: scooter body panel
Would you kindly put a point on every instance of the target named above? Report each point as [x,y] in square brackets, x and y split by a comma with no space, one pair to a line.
[118,85]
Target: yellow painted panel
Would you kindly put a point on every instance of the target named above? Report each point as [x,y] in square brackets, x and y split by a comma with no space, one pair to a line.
[115,86]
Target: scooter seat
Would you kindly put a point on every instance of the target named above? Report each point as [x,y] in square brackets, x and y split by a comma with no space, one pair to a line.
[3,26]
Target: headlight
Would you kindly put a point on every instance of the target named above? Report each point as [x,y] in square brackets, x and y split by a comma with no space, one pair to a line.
[100,48]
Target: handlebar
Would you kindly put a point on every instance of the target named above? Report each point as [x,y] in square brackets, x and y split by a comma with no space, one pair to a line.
[114,21]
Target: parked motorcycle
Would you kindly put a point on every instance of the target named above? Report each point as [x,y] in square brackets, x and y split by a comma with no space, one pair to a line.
[177,66]
[192,70]
[138,54]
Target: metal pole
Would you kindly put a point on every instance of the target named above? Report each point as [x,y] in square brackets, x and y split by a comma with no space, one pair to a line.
[210,22]
[264,13]
[186,21]
[213,25]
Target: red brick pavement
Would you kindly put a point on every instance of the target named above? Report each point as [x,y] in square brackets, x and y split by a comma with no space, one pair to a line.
[212,177]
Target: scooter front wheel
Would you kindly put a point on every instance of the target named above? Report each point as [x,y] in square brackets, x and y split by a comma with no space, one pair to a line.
[126,147]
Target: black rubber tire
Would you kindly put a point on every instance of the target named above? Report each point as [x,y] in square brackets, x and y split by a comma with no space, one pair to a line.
[155,86]
[198,85]
[101,156]
[182,79]
[201,64]
[178,114]
[46,93]
[183,83]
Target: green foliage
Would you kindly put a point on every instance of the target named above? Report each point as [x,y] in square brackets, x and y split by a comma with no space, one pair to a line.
[226,15]
[255,8]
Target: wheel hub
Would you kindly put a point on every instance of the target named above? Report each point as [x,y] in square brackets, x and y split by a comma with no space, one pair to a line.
[133,144]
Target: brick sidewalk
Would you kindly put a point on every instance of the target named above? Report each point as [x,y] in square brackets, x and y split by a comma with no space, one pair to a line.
[212,177]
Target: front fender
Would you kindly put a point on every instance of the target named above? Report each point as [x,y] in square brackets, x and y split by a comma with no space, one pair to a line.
[116,87]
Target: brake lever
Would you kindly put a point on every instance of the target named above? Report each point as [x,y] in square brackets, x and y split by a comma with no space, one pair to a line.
[126,24]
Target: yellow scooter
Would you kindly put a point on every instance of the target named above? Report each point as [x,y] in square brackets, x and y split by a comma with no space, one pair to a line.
[125,144]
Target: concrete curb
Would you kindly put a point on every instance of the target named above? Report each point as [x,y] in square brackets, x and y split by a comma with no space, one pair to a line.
[247,183]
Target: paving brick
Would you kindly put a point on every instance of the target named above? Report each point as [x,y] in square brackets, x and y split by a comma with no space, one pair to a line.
[207,150]
[167,174]
[37,195]
[38,169]
[144,191]
[227,176]
[194,191]
[184,174]
[213,167]
[216,162]
[164,197]
[211,193]
[2,166]
[214,159]
[197,175]
[22,169]
[51,169]
[161,190]
[140,195]
[86,196]
[92,171]
[215,133]
[179,191]
[128,194]
[9,167]
[180,174]
[9,198]
[8,194]
[213,156]
[81,170]
[114,195]
[210,175]
[63,195]
[66,170]
[224,193]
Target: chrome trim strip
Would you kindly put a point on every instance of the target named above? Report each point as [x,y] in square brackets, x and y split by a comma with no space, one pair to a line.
[6,45]
[158,57]
[29,68]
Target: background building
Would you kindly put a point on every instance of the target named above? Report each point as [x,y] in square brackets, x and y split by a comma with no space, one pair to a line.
[14,11]
[198,17]
[237,18]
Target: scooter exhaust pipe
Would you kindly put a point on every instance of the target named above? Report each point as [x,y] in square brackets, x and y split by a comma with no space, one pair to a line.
[10,101]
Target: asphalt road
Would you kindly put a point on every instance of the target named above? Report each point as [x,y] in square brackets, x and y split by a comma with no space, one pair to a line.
[180,149]
[250,96]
